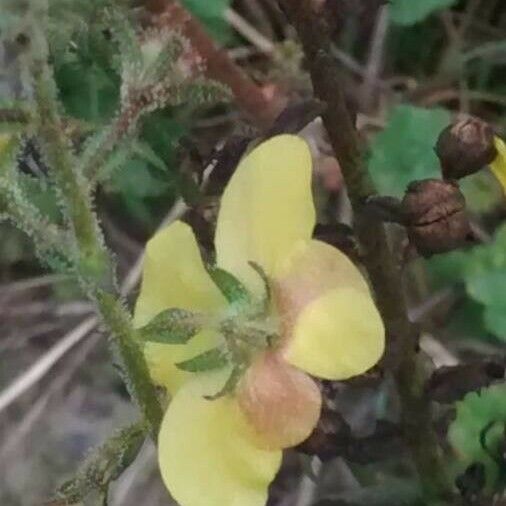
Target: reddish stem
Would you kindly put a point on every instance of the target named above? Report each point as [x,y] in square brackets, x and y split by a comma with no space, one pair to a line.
[218,66]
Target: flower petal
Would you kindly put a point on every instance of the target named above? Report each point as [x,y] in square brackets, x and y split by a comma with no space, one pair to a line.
[498,166]
[207,454]
[266,209]
[337,336]
[282,403]
[162,359]
[312,269]
[175,276]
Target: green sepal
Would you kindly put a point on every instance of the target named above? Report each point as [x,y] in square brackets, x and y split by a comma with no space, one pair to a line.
[207,361]
[172,326]
[231,288]
[230,384]
[259,270]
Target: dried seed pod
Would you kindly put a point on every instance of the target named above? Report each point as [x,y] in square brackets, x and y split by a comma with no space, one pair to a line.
[434,212]
[465,147]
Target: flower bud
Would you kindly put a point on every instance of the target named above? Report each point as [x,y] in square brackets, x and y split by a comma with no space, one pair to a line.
[465,147]
[435,216]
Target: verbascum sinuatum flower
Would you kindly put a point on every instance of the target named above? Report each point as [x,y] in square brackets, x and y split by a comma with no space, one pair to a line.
[279,309]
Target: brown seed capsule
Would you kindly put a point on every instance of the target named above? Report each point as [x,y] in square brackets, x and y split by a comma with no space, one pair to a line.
[434,212]
[465,147]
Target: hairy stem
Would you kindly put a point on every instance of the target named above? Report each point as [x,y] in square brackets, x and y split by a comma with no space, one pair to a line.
[117,132]
[72,188]
[218,65]
[94,263]
[133,366]
[402,335]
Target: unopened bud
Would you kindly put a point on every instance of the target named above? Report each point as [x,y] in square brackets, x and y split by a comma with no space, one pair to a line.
[465,148]
[435,216]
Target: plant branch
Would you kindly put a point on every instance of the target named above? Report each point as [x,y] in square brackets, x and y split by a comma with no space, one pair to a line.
[124,124]
[402,336]
[95,271]
[132,363]
[73,189]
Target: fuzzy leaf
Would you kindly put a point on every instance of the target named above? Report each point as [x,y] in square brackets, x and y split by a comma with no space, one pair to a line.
[207,361]
[200,92]
[104,465]
[172,326]
[126,38]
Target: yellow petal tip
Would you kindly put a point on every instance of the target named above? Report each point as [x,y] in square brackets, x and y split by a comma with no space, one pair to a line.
[338,336]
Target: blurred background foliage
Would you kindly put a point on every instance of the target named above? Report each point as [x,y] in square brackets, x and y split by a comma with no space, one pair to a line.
[409,67]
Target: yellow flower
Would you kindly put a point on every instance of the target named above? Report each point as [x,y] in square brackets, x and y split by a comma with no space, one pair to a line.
[321,321]
[498,166]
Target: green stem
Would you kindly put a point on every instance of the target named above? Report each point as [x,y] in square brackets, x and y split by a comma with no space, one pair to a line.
[72,187]
[94,157]
[133,366]
[94,263]
[402,335]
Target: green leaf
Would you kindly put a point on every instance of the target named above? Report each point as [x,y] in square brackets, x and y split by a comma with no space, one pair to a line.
[485,279]
[232,289]
[88,90]
[212,15]
[136,181]
[172,326]
[104,465]
[480,419]
[495,319]
[42,195]
[482,269]
[409,12]
[144,151]
[404,151]
[162,130]
[207,361]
